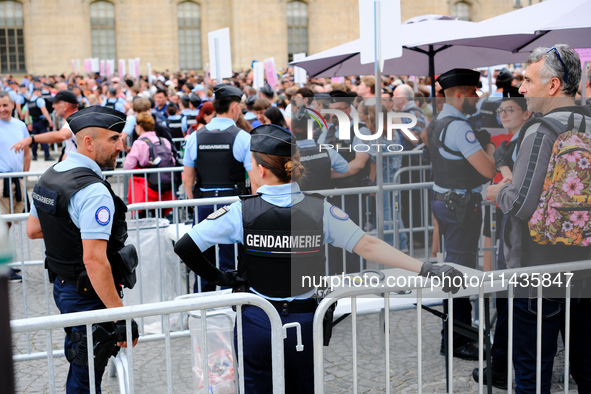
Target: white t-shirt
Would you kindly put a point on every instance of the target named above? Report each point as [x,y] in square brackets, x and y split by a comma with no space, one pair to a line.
[70,143]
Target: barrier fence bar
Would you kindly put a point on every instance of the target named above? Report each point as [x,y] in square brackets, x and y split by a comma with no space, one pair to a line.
[162,308]
[498,276]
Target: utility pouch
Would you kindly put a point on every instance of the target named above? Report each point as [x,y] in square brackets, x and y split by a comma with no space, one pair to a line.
[104,341]
[123,265]
[465,206]
[83,285]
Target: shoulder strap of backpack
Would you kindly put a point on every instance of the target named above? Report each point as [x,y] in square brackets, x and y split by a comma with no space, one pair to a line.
[151,146]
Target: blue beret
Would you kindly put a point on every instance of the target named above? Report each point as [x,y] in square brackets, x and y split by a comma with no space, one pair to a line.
[224,90]
[458,77]
[273,140]
[97,116]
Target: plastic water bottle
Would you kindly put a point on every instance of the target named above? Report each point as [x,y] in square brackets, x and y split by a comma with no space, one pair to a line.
[6,369]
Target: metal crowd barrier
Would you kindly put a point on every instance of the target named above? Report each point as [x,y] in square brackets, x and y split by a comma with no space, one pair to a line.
[31,252]
[125,362]
[119,180]
[495,279]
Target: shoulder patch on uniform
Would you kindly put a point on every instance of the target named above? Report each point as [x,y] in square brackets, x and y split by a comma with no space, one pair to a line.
[103,216]
[338,213]
[470,136]
[220,212]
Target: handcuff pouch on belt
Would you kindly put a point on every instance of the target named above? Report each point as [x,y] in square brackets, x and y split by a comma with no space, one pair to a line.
[104,339]
[465,206]
[123,265]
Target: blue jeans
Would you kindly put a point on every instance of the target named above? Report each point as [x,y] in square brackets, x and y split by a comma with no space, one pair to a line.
[68,300]
[388,217]
[524,342]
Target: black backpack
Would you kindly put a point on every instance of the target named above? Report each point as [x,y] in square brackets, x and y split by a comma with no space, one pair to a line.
[160,157]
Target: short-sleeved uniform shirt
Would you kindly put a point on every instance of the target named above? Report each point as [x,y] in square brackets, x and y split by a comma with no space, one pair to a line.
[460,138]
[338,229]
[119,105]
[240,149]
[91,208]
[11,132]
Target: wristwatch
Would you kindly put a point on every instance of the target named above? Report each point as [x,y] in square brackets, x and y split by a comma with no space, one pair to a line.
[32,139]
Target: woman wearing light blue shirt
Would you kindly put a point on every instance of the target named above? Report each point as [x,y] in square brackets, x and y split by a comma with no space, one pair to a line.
[282,232]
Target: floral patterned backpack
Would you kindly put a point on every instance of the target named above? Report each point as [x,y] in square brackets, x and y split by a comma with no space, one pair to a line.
[564,212]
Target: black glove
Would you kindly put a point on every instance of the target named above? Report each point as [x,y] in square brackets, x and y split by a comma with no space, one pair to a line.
[446,273]
[228,278]
[121,328]
[503,155]
[483,138]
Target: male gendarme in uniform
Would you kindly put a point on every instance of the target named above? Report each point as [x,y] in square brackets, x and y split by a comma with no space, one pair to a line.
[217,158]
[462,162]
[82,222]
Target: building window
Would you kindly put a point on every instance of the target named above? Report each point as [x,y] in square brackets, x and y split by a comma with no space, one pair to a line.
[189,21]
[461,10]
[297,28]
[102,24]
[12,42]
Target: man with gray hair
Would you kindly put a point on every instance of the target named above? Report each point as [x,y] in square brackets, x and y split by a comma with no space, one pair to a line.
[550,85]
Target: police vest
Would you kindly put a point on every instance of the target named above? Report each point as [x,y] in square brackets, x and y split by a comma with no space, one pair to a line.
[216,166]
[346,149]
[48,104]
[111,103]
[191,120]
[450,174]
[175,127]
[317,165]
[282,246]
[63,242]
[34,110]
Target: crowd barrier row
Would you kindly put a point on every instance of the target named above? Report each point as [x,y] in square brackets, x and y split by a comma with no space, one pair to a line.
[163,309]
[414,294]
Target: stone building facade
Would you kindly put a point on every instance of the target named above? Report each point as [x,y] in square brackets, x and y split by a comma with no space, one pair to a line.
[43,36]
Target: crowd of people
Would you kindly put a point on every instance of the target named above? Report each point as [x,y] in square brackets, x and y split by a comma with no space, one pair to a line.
[233,140]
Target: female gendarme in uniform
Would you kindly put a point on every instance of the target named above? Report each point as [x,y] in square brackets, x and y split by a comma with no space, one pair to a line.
[282,232]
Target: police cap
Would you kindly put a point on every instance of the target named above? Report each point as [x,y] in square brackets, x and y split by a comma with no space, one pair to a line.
[251,100]
[195,100]
[273,140]
[97,116]
[267,90]
[226,90]
[458,77]
[64,95]
[504,78]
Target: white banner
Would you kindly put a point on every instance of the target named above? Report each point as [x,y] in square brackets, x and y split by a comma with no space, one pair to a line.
[224,53]
[299,74]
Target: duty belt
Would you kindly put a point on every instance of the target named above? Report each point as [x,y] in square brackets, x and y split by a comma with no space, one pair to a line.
[296,306]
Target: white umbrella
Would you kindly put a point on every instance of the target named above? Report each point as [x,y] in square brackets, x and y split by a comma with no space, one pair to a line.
[419,56]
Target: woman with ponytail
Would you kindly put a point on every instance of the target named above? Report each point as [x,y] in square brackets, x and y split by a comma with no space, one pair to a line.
[282,232]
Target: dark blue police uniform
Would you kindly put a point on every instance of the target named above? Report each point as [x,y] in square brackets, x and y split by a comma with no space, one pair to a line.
[73,203]
[220,153]
[457,184]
